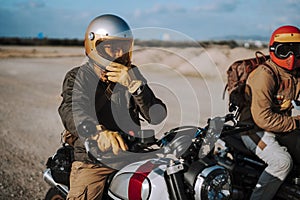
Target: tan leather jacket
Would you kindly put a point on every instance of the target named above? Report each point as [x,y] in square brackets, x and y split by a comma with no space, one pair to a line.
[269,98]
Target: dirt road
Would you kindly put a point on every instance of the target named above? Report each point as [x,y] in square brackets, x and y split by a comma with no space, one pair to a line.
[30,125]
[30,82]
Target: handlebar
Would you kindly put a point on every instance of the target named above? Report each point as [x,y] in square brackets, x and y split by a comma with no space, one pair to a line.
[237,126]
[145,142]
[145,147]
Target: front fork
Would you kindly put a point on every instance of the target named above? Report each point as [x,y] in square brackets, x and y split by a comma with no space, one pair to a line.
[174,180]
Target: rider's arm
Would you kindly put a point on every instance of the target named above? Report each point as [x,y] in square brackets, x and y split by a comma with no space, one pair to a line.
[263,87]
[75,104]
[150,107]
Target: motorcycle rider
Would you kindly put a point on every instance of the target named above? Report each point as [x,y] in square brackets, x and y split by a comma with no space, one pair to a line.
[109,92]
[269,91]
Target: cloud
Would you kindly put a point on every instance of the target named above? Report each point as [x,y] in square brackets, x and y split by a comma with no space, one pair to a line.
[159,15]
[280,13]
[30,4]
[161,9]
[218,6]
[54,23]
[197,18]
[224,6]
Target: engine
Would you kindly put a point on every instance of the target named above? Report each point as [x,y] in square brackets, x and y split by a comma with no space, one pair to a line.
[208,182]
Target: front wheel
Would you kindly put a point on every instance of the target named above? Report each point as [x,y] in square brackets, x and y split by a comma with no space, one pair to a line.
[54,194]
[213,183]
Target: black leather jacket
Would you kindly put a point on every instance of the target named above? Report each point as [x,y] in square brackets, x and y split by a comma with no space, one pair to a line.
[86,98]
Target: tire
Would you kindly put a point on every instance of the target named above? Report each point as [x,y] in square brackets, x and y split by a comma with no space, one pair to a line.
[54,194]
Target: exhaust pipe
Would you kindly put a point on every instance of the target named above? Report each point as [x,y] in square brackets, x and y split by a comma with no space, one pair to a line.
[49,179]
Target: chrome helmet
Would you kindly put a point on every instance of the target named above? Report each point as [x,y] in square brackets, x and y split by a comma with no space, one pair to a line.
[107,33]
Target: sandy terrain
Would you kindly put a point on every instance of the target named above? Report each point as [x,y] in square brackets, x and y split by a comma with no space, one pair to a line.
[189,80]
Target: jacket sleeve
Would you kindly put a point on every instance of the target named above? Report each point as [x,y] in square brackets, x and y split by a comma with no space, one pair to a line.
[75,106]
[150,107]
[262,88]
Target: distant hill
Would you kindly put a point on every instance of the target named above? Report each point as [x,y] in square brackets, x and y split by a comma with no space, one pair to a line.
[244,38]
[77,42]
[39,42]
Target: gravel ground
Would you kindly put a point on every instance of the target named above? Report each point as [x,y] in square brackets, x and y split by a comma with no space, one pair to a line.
[30,82]
[30,125]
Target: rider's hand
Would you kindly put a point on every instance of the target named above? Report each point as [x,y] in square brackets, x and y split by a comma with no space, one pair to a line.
[107,139]
[123,75]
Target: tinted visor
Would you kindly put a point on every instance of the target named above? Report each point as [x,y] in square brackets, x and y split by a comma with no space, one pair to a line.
[115,50]
[284,50]
[113,45]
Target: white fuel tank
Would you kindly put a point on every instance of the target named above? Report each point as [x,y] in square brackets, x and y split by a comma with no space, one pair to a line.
[141,180]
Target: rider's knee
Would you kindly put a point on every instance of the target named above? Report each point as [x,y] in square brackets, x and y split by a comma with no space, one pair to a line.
[283,164]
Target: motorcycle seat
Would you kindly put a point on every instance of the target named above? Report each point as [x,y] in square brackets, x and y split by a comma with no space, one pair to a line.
[235,142]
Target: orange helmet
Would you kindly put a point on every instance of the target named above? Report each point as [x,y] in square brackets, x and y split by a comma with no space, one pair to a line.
[284,47]
[108,30]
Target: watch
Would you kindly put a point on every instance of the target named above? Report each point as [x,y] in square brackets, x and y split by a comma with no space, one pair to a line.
[134,86]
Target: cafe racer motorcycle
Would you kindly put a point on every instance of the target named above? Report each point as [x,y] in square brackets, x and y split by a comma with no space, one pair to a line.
[188,162]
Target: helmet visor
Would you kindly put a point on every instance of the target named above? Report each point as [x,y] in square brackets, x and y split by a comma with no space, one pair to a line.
[113,46]
[115,50]
[284,50]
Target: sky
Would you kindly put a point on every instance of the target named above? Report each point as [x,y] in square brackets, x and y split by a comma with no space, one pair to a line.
[196,19]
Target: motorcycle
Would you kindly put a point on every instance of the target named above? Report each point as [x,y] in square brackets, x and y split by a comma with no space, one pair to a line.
[188,162]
